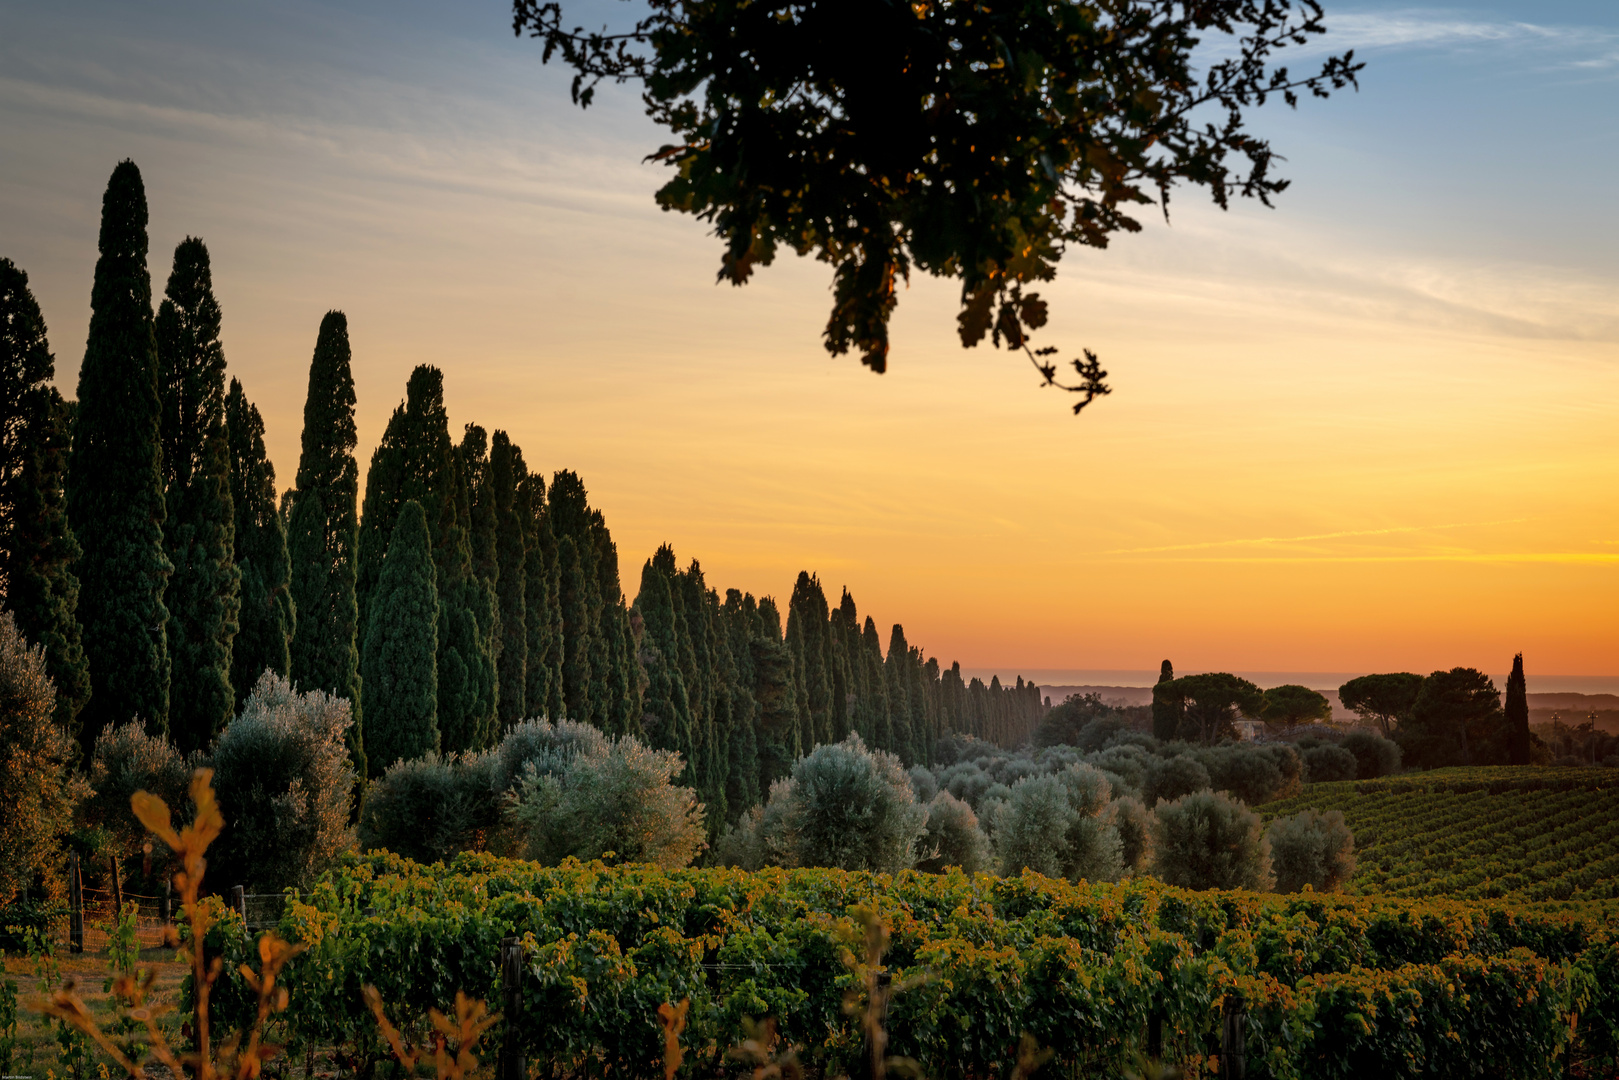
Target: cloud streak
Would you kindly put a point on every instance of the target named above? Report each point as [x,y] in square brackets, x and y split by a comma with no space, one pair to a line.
[1394,530]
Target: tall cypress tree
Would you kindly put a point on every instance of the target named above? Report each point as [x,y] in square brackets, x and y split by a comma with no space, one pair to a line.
[1517,709]
[115,483]
[475,513]
[507,474]
[541,598]
[401,648]
[666,720]
[203,595]
[37,548]
[322,532]
[266,620]
[898,681]
[1167,707]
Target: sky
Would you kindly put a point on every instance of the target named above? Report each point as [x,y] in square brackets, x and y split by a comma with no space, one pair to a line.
[1373,428]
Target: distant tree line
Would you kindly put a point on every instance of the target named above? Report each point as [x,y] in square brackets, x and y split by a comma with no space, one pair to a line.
[144,548]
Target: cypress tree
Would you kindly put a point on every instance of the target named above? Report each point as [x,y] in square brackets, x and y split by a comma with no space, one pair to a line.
[203,595]
[266,620]
[877,709]
[322,533]
[475,514]
[115,484]
[1167,706]
[739,619]
[898,683]
[807,635]
[1517,718]
[37,548]
[666,706]
[507,474]
[541,594]
[401,648]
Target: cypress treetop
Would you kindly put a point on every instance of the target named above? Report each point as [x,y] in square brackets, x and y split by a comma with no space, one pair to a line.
[507,473]
[191,366]
[401,648]
[37,548]
[115,488]
[322,532]
[1519,740]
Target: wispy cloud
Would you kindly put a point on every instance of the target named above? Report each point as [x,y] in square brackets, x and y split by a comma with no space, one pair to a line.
[1347,534]
[1443,29]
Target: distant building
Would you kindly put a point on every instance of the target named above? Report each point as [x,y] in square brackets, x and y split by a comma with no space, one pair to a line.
[1249,730]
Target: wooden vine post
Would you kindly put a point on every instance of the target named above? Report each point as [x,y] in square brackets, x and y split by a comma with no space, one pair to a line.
[511,1065]
[75,905]
[1233,1059]
[238,900]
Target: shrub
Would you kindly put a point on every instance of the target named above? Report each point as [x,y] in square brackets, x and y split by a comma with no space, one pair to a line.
[127,760]
[430,808]
[1133,821]
[1053,825]
[966,781]
[953,837]
[1246,772]
[285,783]
[584,796]
[1311,849]
[853,808]
[1375,756]
[923,783]
[1207,840]
[1327,763]
[1173,777]
[1287,759]
[37,784]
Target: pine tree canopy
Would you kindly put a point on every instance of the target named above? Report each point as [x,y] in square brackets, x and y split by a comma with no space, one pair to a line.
[322,533]
[967,141]
[203,596]
[266,621]
[37,548]
[401,648]
[115,485]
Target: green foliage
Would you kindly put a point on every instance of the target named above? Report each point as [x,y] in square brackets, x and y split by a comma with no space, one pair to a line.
[1456,720]
[1336,986]
[266,619]
[1055,825]
[37,548]
[1207,840]
[1311,849]
[284,778]
[845,806]
[1474,834]
[1133,821]
[127,760]
[953,838]
[595,797]
[1386,700]
[507,476]
[1173,777]
[322,533]
[1516,717]
[1290,705]
[1211,704]
[115,484]
[1374,756]
[401,647]
[36,769]
[431,808]
[1326,763]
[860,140]
[8,1023]
[1167,708]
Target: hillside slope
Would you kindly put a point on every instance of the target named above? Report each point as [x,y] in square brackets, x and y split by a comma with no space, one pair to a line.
[1484,833]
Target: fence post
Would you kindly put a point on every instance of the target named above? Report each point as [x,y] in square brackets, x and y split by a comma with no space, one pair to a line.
[75,905]
[511,1065]
[1155,1037]
[238,900]
[1233,1060]
[168,901]
[117,890]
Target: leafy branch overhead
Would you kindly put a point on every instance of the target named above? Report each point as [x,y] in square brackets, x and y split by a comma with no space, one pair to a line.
[960,138]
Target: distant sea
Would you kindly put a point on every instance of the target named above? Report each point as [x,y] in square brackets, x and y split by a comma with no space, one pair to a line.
[1315,680]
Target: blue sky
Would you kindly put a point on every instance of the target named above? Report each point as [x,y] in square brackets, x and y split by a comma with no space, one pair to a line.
[1413,359]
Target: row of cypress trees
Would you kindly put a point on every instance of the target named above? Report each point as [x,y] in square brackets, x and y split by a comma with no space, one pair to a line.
[145,548]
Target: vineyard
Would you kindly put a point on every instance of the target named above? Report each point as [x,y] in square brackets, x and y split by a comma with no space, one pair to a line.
[1098,975]
[1479,834]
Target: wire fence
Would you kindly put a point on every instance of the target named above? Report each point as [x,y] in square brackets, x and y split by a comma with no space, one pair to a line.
[101,915]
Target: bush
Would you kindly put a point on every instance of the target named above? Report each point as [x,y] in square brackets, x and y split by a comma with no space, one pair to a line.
[1054,826]
[1207,840]
[953,837]
[38,786]
[1133,821]
[430,808]
[1248,773]
[1173,777]
[127,760]
[1327,763]
[966,781]
[923,783]
[1375,756]
[584,795]
[285,784]
[1311,849]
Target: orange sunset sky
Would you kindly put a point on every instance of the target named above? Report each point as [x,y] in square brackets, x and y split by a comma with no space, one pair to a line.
[1374,428]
